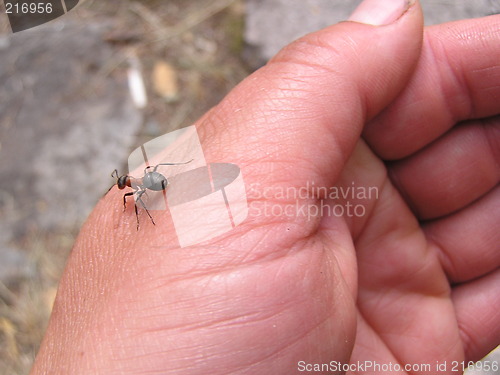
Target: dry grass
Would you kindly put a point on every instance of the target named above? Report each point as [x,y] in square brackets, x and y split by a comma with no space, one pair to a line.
[25,306]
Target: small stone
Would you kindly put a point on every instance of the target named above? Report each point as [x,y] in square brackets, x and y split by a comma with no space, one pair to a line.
[165,81]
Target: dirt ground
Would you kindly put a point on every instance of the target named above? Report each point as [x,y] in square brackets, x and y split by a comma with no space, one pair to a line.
[189,53]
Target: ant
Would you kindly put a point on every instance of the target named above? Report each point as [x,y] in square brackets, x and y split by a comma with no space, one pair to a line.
[152,180]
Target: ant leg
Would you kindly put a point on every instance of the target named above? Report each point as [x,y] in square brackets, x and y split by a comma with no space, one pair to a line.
[136,216]
[139,199]
[125,199]
[164,185]
[135,206]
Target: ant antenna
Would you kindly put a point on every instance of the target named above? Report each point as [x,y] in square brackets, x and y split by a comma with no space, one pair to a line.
[115,174]
[155,167]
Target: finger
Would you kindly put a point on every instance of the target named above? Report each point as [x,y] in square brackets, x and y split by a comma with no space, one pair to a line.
[457,78]
[403,291]
[298,118]
[370,348]
[451,172]
[478,315]
[468,242]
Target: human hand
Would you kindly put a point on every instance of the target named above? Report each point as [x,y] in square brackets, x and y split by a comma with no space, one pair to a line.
[414,280]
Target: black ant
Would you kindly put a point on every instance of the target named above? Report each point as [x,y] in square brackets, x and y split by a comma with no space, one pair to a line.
[152,180]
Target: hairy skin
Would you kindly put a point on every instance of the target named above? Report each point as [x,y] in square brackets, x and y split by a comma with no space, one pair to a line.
[413,281]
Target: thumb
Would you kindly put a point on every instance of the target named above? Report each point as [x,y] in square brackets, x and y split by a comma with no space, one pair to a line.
[298,118]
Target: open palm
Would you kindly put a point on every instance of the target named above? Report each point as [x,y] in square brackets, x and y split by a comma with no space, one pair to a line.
[410,278]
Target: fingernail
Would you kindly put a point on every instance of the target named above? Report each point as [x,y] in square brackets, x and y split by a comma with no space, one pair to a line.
[380,12]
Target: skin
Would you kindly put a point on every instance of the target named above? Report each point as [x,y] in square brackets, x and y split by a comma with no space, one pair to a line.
[413,281]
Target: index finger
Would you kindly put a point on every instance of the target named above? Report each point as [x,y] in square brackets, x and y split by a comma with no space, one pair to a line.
[457,78]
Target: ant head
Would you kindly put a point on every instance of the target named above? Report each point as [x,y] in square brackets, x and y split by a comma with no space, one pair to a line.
[121,181]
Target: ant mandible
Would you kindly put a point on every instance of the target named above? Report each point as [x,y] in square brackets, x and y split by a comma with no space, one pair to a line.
[152,180]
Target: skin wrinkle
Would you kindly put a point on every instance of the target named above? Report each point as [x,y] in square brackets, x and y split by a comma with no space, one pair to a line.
[445,259]
[435,233]
[373,209]
[470,37]
[491,135]
[268,145]
[392,193]
[307,332]
[407,285]
[379,335]
[483,129]
[225,323]
[313,48]
[231,265]
[447,87]
[396,182]
[243,319]
[283,348]
[308,69]
[381,186]
[475,33]
[375,342]
[327,316]
[384,334]
[303,102]
[458,84]
[468,338]
[241,261]
[345,83]
[467,312]
[394,359]
[454,150]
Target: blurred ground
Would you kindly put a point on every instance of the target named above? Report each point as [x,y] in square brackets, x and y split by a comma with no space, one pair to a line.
[67,118]
[271,24]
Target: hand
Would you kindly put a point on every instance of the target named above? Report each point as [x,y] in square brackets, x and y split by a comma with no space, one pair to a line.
[412,280]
